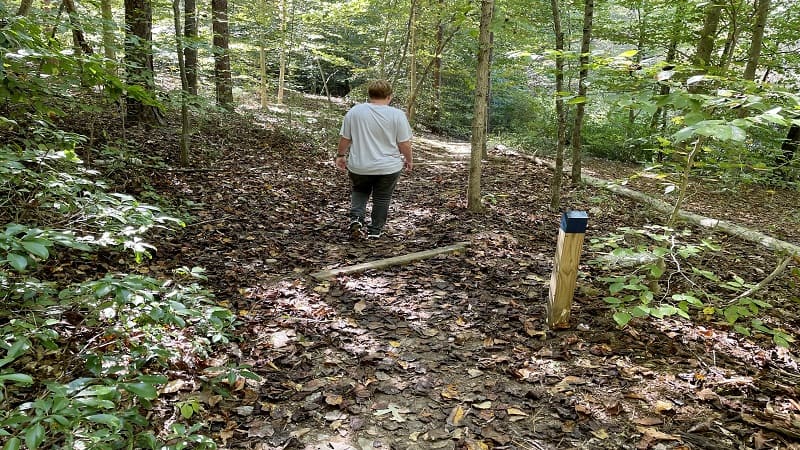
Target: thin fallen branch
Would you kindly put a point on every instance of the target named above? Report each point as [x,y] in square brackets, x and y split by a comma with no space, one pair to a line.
[778,270]
[387,262]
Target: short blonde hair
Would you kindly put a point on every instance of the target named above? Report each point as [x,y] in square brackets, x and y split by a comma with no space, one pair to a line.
[379,89]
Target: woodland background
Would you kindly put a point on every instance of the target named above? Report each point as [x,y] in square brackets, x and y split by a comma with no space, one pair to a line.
[142,143]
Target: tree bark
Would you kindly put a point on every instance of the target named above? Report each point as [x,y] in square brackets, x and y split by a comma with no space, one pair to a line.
[561,117]
[580,108]
[730,42]
[139,61]
[190,43]
[77,32]
[479,119]
[705,45]
[24,7]
[437,71]
[222,58]
[757,40]
[412,63]
[789,150]
[109,27]
[282,62]
[262,56]
[179,49]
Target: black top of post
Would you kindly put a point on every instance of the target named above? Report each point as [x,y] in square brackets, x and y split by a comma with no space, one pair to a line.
[574,221]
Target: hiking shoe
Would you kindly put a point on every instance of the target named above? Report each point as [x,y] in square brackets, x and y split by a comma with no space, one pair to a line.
[374,235]
[357,230]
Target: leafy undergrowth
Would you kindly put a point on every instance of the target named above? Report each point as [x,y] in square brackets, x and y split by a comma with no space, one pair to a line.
[453,352]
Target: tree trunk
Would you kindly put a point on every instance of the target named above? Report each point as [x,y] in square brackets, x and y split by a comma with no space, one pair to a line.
[77,32]
[659,117]
[222,59]
[789,150]
[282,61]
[479,119]
[179,52]
[412,63]
[24,7]
[139,60]
[731,41]
[580,108]
[705,45]
[757,40]
[437,72]
[109,27]
[262,56]
[561,117]
[190,44]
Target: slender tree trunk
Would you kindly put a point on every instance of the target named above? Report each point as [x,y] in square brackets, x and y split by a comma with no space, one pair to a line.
[561,117]
[412,63]
[672,51]
[789,150]
[139,60]
[77,32]
[488,106]
[705,45]
[190,31]
[109,27]
[24,7]
[698,146]
[730,42]
[222,58]
[414,94]
[757,41]
[580,108]
[282,61]
[437,71]
[179,52]
[479,119]
[262,56]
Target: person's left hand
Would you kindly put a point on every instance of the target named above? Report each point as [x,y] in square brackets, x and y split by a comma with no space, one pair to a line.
[341,164]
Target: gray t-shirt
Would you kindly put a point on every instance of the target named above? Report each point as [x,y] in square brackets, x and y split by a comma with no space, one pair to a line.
[375,131]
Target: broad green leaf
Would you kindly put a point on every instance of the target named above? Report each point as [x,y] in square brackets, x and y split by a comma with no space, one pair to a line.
[780,341]
[629,53]
[20,378]
[13,444]
[36,249]
[683,134]
[34,436]
[18,262]
[622,318]
[616,287]
[144,390]
[576,100]
[106,419]
[187,410]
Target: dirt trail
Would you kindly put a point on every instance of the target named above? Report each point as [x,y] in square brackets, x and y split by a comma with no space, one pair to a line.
[452,352]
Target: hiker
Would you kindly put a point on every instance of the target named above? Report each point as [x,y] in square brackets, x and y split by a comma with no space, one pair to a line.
[374,147]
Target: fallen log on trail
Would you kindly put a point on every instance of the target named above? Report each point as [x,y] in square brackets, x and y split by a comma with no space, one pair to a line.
[730,228]
[387,262]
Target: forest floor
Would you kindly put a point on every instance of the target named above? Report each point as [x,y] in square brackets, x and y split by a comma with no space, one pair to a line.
[453,352]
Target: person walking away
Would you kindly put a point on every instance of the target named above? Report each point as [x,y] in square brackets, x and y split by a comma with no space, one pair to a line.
[374,148]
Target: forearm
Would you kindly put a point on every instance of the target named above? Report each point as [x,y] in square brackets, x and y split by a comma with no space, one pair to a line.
[405,150]
[344,144]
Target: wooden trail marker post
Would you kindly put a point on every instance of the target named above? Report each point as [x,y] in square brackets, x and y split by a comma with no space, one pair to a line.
[565,268]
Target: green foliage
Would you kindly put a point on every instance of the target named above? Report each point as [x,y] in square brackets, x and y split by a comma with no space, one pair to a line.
[658,254]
